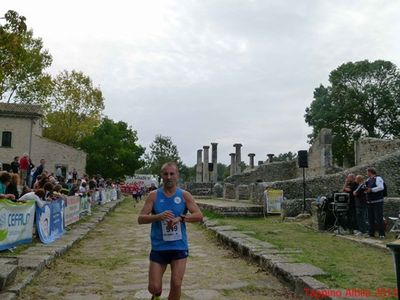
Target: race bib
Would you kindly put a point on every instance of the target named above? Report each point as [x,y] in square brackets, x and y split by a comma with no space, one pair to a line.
[171,233]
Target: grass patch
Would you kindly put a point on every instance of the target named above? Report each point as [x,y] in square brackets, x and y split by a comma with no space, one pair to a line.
[349,264]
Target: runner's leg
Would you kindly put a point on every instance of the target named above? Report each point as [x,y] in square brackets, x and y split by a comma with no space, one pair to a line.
[178,268]
[156,272]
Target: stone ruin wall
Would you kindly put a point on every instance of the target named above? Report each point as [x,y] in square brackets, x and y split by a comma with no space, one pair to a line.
[320,158]
[387,166]
[322,178]
[369,149]
[267,172]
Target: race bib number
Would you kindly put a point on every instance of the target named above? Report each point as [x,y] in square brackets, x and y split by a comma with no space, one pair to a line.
[171,233]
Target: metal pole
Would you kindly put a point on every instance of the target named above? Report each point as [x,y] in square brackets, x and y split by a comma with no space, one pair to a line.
[395,247]
[304,190]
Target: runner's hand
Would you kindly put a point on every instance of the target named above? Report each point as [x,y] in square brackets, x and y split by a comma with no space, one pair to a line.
[166,215]
[175,221]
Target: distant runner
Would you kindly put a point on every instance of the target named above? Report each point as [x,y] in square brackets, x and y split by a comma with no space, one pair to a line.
[166,209]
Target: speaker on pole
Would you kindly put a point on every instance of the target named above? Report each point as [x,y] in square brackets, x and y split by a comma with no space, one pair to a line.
[210,167]
[302,157]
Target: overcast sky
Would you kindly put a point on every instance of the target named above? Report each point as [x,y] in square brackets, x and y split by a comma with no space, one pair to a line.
[206,71]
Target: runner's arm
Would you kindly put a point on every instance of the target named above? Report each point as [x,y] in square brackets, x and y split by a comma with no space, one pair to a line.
[195,212]
[145,216]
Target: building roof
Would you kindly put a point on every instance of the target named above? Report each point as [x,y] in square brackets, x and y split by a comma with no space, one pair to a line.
[20,110]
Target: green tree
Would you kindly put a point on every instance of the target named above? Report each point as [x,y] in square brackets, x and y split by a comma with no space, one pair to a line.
[363,99]
[22,62]
[73,109]
[187,173]
[221,168]
[162,150]
[288,156]
[112,150]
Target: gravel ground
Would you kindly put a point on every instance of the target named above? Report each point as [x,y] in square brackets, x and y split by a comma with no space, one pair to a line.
[112,263]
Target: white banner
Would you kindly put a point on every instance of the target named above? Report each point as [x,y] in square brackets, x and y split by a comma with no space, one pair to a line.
[16,222]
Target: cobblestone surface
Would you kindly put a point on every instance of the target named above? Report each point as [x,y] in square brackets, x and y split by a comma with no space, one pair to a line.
[111,262]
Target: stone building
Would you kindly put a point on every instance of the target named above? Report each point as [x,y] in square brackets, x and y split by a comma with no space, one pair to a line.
[21,132]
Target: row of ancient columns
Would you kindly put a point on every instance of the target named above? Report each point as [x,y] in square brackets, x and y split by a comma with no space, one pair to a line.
[236,159]
[203,167]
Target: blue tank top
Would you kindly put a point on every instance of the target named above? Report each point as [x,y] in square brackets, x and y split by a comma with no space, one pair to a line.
[163,236]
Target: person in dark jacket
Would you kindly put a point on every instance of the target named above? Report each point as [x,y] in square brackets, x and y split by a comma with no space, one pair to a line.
[39,170]
[349,187]
[361,205]
[15,165]
[375,187]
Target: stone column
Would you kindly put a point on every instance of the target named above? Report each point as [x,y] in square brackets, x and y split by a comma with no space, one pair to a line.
[251,161]
[199,166]
[206,174]
[233,163]
[270,157]
[214,178]
[238,158]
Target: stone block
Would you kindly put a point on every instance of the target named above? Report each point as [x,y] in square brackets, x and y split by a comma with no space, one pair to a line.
[8,296]
[308,282]
[34,262]
[229,191]
[267,260]
[8,271]
[242,192]
[18,287]
[297,269]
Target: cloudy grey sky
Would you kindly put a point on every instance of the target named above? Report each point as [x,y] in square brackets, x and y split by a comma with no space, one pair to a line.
[205,71]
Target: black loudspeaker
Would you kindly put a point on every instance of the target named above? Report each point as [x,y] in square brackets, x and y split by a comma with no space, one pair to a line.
[210,167]
[302,157]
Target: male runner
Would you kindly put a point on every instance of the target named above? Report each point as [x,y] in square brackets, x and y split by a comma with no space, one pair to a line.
[166,209]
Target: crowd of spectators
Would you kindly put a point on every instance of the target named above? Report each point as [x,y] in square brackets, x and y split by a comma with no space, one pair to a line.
[366,199]
[23,181]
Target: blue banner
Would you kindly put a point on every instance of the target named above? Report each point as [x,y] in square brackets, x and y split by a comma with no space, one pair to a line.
[49,221]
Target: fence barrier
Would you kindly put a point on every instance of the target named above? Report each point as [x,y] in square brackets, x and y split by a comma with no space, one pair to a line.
[17,218]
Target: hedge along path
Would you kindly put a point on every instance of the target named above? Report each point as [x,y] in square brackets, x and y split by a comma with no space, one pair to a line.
[112,263]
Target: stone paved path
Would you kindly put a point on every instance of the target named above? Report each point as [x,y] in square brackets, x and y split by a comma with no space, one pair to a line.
[112,262]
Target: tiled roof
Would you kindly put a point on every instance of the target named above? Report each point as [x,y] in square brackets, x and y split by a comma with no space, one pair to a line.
[21,110]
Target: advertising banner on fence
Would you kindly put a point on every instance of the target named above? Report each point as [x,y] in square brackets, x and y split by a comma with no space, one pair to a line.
[16,222]
[273,200]
[84,205]
[49,221]
[71,210]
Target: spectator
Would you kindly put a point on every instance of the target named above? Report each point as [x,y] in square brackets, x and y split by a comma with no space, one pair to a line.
[5,179]
[349,187]
[39,170]
[58,173]
[69,184]
[37,196]
[23,168]
[74,174]
[375,187]
[48,188]
[73,190]
[83,188]
[40,182]
[15,165]
[361,205]
[12,188]
[31,167]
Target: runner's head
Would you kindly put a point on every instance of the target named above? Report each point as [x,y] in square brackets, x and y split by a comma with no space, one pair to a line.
[169,174]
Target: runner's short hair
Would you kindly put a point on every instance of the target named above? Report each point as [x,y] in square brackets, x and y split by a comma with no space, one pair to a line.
[170,164]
